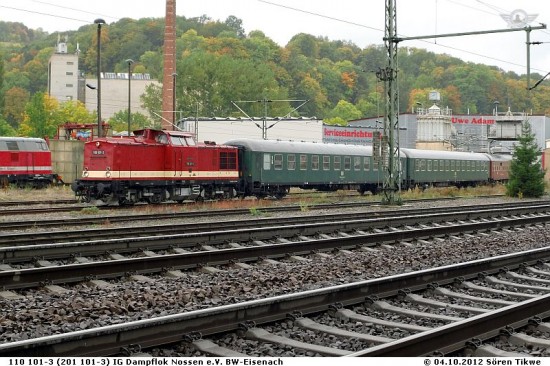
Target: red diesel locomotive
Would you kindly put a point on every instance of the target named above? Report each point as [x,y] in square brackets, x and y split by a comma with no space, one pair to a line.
[154,166]
[25,162]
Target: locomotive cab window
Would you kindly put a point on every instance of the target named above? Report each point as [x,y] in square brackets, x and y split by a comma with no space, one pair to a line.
[12,145]
[161,139]
[177,140]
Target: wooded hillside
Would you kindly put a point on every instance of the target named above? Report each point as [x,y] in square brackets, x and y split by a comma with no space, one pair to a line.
[219,62]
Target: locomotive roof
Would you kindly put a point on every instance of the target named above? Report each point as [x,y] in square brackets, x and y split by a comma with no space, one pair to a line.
[22,144]
[6,138]
[438,154]
[300,147]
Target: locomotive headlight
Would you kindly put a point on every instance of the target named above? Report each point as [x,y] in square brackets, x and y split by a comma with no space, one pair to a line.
[108,174]
[85,174]
[97,143]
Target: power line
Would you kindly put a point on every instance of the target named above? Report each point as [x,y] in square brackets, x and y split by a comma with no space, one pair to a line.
[46,14]
[400,35]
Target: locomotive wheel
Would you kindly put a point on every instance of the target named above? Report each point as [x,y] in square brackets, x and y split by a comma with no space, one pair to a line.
[85,198]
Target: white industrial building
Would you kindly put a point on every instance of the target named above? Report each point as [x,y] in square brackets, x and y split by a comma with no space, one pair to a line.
[220,130]
[66,82]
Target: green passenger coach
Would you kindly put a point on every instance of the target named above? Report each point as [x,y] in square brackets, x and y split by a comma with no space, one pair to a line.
[444,168]
[272,167]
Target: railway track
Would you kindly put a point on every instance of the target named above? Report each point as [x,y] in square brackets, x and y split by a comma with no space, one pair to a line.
[76,207]
[112,219]
[148,258]
[27,265]
[451,310]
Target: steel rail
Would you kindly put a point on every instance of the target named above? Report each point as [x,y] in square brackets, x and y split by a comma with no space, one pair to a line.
[467,212]
[109,340]
[22,278]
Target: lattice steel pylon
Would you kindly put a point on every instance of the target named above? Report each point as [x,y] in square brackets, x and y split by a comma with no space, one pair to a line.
[390,139]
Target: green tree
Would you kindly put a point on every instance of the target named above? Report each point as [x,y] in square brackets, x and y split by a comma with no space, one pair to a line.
[526,174]
[2,90]
[344,111]
[119,121]
[39,119]
[6,129]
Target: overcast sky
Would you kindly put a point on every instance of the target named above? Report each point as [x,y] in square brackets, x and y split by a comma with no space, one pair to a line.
[359,21]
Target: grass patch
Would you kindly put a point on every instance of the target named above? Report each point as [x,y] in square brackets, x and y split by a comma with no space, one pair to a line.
[254,211]
[93,210]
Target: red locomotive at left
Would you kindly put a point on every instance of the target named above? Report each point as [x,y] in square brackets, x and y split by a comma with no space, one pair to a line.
[25,161]
[154,166]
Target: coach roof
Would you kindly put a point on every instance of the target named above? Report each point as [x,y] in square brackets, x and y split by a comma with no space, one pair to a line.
[297,147]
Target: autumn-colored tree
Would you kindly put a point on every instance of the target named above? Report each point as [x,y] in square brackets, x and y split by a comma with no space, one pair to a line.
[15,100]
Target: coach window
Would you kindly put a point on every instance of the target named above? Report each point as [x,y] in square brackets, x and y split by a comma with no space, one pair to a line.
[452,165]
[356,163]
[278,161]
[303,162]
[366,163]
[422,165]
[267,161]
[347,163]
[337,163]
[326,162]
[315,162]
[447,165]
[436,166]
[291,162]
[429,165]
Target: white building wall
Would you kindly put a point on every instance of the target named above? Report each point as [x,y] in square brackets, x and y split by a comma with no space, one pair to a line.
[114,96]
[63,76]
[225,130]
